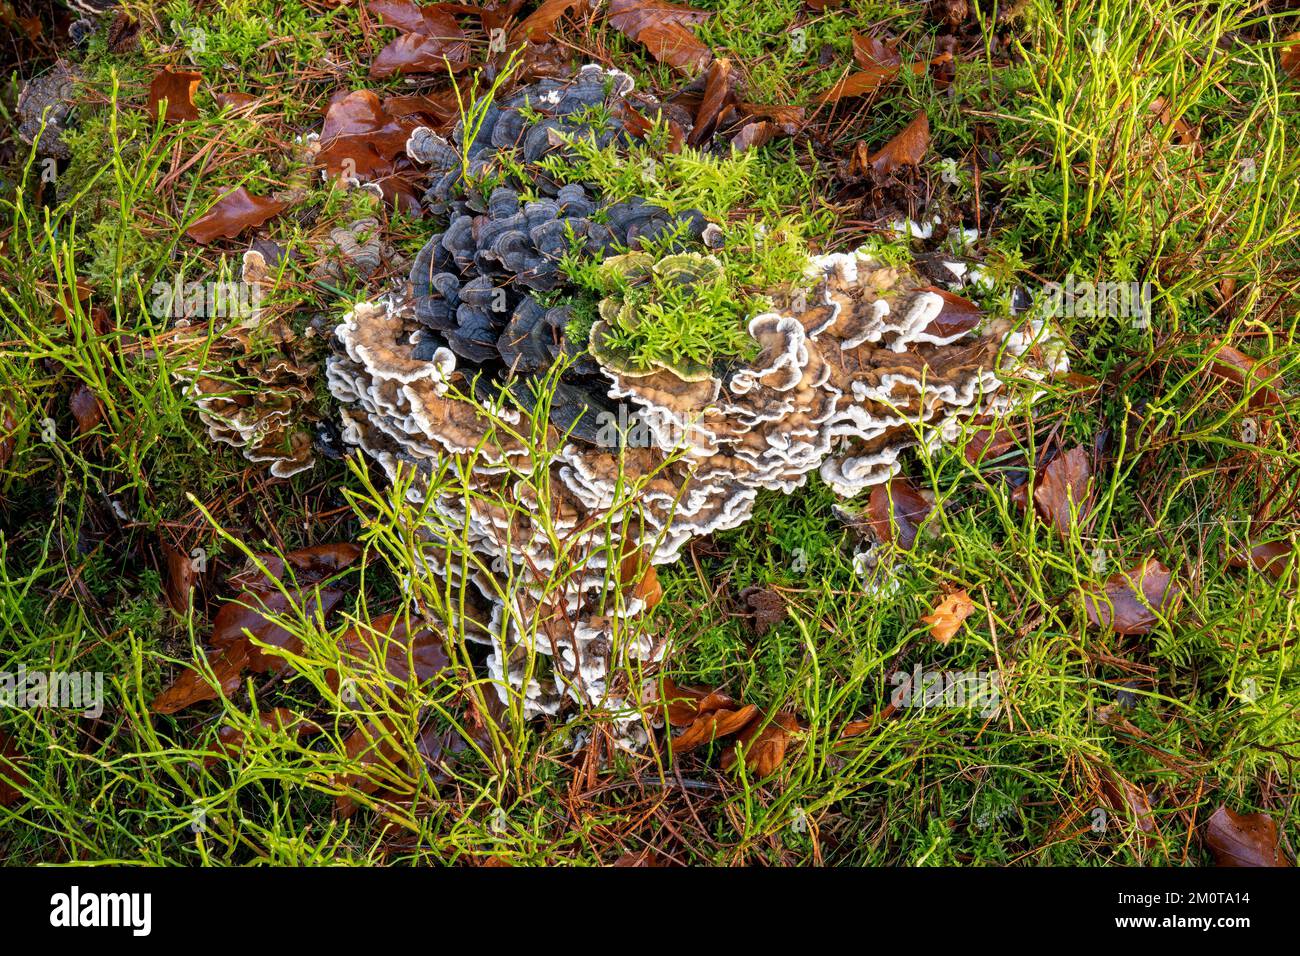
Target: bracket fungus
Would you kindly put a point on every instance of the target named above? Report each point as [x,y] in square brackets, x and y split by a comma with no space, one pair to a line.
[252,388]
[849,367]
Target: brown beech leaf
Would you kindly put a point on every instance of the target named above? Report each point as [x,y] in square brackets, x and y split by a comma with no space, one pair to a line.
[766,608]
[304,567]
[1254,378]
[872,53]
[230,741]
[764,750]
[192,686]
[8,441]
[661,28]
[539,26]
[788,119]
[636,570]
[907,148]
[65,305]
[945,620]
[1270,557]
[438,109]
[372,742]
[754,135]
[236,102]
[989,440]
[873,77]
[234,212]
[683,704]
[895,510]
[248,618]
[431,20]
[179,578]
[648,588]
[417,53]
[177,89]
[389,645]
[86,409]
[360,138]
[712,725]
[1064,481]
[1130,799]
[719,95]
[12,778]
[1184,133]
[958,314]
[1249,839]
[1123,604]
[1289,58]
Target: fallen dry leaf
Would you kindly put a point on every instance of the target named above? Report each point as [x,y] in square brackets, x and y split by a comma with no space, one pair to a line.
[86,408]
[417,53]
[236,102]
[192,686]
[683,704]
[389,645]
[1129,799]
[1289,58]
[177,90]
[873,77]
[230,741]
[719,97]
[895,511]
[12,778]
[1243,839]
[870,52]
[764,750]
[1184,134]
[1270,557]
[907,148]
[709,726]
[754,135]
[359,137]
[1254,378]
[248,618]
[989,440]
[234,212]
[539,26]
[8,440]
[945,620]
[406,15]
[706,715]
[661,28]
[179,580]
[1064,481]
[1130,599]
[957,315]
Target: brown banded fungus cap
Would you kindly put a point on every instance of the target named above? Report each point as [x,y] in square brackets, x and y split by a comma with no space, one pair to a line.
[864,363]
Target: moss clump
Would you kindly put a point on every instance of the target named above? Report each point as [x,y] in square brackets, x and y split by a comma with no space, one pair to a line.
[677,312]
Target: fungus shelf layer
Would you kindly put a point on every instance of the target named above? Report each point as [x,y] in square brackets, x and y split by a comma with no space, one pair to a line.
[862,362]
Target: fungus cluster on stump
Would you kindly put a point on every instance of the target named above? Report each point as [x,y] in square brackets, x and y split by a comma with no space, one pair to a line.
[853,365]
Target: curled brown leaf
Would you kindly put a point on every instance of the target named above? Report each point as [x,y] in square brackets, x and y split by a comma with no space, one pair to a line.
[895,511]
[176,88]
[907,148]
[945,620]
[1243,839]
[231,214]
[1065,488]
[1131,601]
[661,28]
